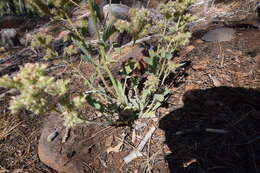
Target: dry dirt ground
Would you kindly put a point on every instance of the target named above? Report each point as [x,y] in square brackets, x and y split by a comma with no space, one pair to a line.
[210,124]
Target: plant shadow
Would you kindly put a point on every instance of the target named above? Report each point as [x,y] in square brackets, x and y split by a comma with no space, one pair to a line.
[216,131]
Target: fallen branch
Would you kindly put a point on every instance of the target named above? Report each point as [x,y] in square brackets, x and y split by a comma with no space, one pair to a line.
[137,152]
[141,40]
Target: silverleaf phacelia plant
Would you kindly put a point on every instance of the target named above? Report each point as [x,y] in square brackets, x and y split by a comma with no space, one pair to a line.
[111,96]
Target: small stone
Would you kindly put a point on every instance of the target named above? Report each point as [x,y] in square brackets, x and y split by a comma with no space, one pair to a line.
[2,49]
[215,81]
[219,35]
[9,37]
[52,136]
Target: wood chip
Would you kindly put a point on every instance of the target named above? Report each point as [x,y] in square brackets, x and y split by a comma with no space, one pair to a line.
[66,135]
[133,136]
[187,164]
[109,140]
[215,81]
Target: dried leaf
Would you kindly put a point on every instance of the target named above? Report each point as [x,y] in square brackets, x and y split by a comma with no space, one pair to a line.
[117,148]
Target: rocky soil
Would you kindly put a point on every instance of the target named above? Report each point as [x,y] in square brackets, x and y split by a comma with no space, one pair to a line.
[210,124]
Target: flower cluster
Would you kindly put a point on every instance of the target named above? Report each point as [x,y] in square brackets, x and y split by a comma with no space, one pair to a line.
[44,43]
[35,88]
[55,8]
[69,51]
[140,22]
[40,93]
[175,8]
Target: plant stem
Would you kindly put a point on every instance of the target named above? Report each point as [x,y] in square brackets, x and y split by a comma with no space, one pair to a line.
[104,81]
[74,3]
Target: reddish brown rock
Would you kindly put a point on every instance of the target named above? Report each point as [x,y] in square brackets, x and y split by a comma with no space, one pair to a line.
[61,157]
[79,152]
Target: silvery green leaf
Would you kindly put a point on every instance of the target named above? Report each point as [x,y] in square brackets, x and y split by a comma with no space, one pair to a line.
[120,89]
[150,114]
[110,59]
[117,51]
[141,105]
[109,31]
[162,53]
[166,91]
[152,53]
[148,60]
[86,58]
[159,97]
[129,66]
[156,106]
[134,103]
[173,66]
[168,55]
[94,103]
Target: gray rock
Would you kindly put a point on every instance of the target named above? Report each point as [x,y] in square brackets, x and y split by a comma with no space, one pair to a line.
[115,11]
[9,37]
[219,35]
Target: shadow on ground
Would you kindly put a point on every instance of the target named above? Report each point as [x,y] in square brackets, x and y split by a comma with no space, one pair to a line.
[195,148]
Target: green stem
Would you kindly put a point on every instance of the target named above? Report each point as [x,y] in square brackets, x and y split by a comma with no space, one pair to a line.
[167,72]
[72,25]
[74,3]
[100,75]
[162,68]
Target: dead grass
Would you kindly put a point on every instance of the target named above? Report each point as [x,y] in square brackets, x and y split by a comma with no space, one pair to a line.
[8,125]
[234,8]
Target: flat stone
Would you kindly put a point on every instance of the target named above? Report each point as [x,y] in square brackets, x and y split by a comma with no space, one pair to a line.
[219,35]
[115,11]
